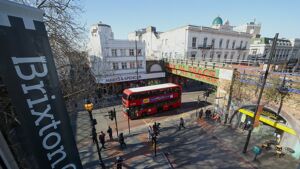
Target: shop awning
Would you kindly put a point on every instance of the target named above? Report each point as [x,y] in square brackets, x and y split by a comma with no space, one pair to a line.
[270,122]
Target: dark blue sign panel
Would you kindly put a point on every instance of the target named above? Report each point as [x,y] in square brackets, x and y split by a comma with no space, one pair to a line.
[28,70]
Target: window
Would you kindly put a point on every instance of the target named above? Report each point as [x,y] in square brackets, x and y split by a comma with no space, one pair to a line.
[114,52]
[139,52]
[241,44]
[238,58]
[254,51]
[140,64]
[219,57]
[203,55]
[131,52]
[123,53]
[227,43]
[193,56]
[220,43]
[233,44]
[231,57]
[204,42]
[213,43]
[225,56]
[211,55]
[244,56]
[132,65]
[124,65]
[194,40]
[115,66]
[246,44]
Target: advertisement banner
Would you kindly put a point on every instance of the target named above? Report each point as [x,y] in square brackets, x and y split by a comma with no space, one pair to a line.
[28,71]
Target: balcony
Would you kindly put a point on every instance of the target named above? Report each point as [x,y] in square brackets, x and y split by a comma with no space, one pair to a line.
[205,46]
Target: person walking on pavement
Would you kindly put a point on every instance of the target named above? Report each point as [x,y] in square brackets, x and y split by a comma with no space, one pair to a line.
[181,124]
[155,128]
[119,162]
[150,132]
[109,131]
[102,139]
[200,113]
[122,141]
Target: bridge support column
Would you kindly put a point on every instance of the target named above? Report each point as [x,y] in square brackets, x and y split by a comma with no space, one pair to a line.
[230,95]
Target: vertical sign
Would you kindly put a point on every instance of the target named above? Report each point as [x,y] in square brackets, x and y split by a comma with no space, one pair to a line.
[28,71]
[259,111]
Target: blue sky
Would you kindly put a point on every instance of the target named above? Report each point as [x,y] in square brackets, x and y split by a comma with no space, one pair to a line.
[125,16]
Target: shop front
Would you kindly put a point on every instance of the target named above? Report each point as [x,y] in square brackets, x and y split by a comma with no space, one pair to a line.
[115,84]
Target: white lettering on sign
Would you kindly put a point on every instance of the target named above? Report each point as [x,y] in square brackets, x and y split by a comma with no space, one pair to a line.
[41,108]
[122,78]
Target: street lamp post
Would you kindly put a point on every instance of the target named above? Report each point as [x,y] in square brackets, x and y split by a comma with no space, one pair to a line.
[89,107]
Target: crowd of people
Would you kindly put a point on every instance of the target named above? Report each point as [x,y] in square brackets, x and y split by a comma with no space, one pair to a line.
[209,115]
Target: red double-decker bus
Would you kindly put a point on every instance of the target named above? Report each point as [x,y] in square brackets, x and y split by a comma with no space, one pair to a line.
[148,100]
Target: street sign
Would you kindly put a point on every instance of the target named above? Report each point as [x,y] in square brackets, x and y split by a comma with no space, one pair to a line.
[256,120]
[29,73]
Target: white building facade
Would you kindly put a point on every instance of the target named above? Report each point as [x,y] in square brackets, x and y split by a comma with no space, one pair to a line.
[216,43]
[260,49]
[287,52]
[251,28]
[113,60]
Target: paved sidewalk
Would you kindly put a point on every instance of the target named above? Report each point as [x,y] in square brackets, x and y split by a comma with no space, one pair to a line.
[203,144]
[234,139]
[138,154]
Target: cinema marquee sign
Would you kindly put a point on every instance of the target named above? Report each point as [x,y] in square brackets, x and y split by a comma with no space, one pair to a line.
[28,71]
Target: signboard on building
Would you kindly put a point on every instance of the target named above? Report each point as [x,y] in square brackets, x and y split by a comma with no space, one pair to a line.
[207,75]
[130,77]
[28,71]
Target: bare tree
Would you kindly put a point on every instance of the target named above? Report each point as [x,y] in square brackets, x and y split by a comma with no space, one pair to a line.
[68,46]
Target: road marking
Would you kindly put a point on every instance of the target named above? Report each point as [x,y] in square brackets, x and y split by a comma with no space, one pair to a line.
[147,124]
[193,99]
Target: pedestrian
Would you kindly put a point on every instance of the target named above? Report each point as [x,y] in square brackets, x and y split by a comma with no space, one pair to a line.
[109,131]
[181,123]
[153,138]
[119,162]
[122,141]
[94,135]
[206,114]
[102,139]
[155,128]
[200,113]
[209,113]
[150,132]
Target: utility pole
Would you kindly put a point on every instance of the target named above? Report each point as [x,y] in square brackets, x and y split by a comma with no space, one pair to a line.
[230,95]
[128,123]
[272,53]
[136,59]
[115,116]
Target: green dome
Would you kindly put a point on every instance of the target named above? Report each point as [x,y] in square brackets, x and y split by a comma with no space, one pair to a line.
[217,21]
